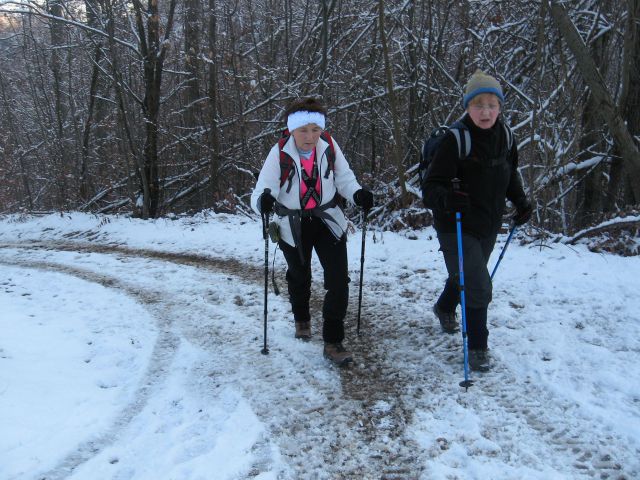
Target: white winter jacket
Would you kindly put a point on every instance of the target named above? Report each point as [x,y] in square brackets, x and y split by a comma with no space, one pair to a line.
[342,180]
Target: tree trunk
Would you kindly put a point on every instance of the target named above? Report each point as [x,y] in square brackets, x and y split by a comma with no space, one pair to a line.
[13,134]
[540,39]
[60,153]
[152,83]
[190,147]
[630,97]
[397,137]
[127,144]
[84,188]
[325,45]
[602,98]
[590,191]
[214,141]
[153,58]
[414,65]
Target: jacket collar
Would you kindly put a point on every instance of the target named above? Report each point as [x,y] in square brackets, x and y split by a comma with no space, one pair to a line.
[291,150]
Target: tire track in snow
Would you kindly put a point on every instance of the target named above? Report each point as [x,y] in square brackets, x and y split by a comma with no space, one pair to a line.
[400,357]
[365,435]
[556,426]
[162,355]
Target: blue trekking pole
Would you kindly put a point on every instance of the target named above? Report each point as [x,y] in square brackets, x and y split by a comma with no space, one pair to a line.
[466,383]
[504,249]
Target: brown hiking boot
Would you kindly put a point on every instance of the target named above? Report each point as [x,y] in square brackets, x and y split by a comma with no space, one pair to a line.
[337,354]
[303,330]
[479,360]
[447,320]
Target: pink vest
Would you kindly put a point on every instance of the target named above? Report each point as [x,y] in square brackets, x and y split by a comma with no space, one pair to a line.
[307,164]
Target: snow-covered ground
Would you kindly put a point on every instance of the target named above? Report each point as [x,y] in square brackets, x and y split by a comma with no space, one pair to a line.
[130,349]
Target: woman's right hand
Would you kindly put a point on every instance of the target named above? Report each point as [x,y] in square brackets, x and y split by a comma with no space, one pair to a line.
[266,202]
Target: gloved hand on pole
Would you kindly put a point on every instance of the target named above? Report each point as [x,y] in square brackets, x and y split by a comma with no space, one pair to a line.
[363,198]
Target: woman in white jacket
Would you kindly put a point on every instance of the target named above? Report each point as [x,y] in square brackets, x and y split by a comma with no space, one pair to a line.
[300,180]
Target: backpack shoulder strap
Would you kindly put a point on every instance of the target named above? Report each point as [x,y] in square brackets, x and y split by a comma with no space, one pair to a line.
[286,162]
[509,135]
[463,138]
[331,154]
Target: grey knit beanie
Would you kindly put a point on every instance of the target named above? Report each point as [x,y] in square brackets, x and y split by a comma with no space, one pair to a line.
[481,82]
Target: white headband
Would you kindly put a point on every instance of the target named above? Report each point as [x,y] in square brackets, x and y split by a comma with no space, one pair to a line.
[302,118]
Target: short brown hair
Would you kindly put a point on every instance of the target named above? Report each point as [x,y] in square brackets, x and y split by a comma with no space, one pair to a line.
[306,104]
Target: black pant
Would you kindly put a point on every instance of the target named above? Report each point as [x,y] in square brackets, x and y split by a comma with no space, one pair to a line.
[332,254]
[477,282]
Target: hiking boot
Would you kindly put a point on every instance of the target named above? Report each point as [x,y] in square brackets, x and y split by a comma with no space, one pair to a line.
[447,320]
[303,330]
[479,360]
[337,354]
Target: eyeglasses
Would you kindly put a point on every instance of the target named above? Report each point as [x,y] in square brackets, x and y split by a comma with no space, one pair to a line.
[479,107]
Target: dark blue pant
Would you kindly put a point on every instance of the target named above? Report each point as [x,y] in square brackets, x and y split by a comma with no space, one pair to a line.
[477,282]
[332,254]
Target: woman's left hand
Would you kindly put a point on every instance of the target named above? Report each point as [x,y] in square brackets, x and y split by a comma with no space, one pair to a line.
[364,199]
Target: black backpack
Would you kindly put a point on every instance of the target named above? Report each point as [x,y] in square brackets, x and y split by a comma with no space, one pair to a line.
[432,143]
[463,139]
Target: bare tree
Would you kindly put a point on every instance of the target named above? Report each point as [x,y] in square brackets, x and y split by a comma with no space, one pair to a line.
[397,136]
[178,112]
[629,98]
[153,52]
[606,107]
[214,139]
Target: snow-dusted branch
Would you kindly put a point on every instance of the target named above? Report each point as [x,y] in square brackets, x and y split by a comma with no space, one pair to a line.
[619,222]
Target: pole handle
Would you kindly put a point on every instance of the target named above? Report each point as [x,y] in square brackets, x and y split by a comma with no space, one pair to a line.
[265,217]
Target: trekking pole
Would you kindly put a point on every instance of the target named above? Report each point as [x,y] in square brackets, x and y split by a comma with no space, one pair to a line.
[466,383]
[265,235]
[364,236]
[504,249]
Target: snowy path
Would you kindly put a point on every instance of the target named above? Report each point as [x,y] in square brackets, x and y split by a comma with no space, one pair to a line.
[511,419]
[164,350]
[319,426]
[397,413]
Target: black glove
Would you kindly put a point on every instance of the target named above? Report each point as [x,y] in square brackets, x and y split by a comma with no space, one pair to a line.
[523,214]
[364,199]
[457,201]
[266,203]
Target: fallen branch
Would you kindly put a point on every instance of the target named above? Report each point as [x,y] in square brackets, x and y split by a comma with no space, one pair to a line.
[604,226]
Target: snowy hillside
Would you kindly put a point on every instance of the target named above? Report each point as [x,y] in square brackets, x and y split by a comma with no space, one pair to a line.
[131,350]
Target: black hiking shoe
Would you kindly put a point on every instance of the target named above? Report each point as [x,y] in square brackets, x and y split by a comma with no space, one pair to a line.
[448,320]
[303,330]
[479,360]
[337,354]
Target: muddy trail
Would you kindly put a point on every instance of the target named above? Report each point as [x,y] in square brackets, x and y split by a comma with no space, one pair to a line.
[370,406]
[404,365]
